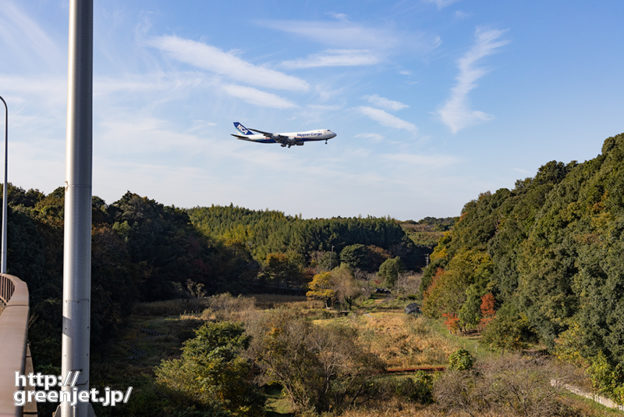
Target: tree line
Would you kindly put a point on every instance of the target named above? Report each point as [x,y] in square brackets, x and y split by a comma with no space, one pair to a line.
[143,251]
[265,232]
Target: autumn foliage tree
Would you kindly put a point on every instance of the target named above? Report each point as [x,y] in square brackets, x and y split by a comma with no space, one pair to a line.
[451,322]
[320,288]
[337,286]
[487,309]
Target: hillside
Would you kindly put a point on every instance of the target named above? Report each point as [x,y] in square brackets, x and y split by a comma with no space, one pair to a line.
[266,232]
[549,253]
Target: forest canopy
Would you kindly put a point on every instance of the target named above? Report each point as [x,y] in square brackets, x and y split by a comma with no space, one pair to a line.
[547,255]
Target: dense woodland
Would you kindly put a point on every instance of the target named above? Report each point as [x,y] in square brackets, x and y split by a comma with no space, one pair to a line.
[267,232]
[145,251]
[547,256]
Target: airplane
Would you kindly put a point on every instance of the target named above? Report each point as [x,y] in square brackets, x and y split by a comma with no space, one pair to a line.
[284,139]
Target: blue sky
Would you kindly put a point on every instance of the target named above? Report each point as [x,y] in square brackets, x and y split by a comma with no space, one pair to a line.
[433,101]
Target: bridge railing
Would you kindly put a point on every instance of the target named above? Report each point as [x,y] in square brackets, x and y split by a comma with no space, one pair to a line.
[13,333]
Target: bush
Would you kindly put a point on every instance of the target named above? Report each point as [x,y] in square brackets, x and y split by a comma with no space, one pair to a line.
[461,360]
[211,375]
[417,388]
[510,330]
[606,378]
[510,386]
[318,367]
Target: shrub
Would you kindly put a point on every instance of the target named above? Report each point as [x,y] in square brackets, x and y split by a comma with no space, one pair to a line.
[318,367]
[509,385]
[417,388]
[509,330]
[606,378]
[461,360]
[211,374]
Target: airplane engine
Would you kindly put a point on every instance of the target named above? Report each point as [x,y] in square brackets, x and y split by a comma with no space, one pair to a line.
[299,143]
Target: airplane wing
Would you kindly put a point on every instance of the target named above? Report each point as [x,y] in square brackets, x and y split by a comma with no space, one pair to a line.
[269,134]
[284,140]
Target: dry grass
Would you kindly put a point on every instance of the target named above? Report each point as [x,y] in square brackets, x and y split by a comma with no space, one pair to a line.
[399,340]
[170,307]
[397,408]
[266,301]
[404,341]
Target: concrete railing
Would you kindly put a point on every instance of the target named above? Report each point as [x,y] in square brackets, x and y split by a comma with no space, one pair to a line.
[13,333]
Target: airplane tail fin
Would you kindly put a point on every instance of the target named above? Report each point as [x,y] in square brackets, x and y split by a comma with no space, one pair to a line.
[242,129]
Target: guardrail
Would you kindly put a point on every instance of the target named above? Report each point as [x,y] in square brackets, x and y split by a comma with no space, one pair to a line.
[13,333]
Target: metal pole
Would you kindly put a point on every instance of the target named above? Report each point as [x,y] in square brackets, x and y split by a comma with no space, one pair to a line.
[77,243]
[3,260]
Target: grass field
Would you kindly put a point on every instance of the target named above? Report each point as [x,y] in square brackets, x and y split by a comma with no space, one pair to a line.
[156,331]
[398,339]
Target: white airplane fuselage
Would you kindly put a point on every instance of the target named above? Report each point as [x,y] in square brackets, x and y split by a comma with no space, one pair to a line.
[285,138]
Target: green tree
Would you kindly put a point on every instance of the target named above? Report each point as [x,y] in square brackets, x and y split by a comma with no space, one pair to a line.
[356,256]
[470,311]
[211,374]
[328,261]
[280,271]
[389,271]
[461,360]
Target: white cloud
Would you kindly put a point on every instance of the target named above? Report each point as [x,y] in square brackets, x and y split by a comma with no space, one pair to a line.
[25,38]
[213,59]
[441,4]
[338,33]
[385,102]
[338,16]
[145,83]
[461,15]
[43,85]
[375,137]
[142,135]
[386,119]
[353,44]
[456,112]
[334,58]
[422,160]
[257,97]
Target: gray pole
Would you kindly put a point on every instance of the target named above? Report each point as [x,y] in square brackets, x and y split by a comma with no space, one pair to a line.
[77,243]
[5,187]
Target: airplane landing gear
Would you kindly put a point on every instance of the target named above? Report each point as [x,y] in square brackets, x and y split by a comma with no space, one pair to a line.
[325,141]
